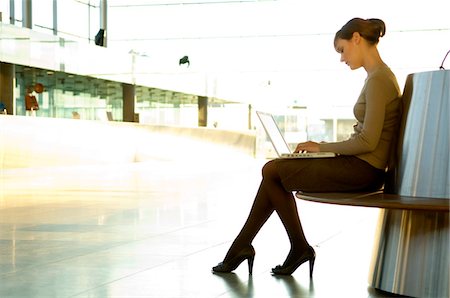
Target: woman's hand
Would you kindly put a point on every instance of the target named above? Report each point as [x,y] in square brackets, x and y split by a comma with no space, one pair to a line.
[307,146]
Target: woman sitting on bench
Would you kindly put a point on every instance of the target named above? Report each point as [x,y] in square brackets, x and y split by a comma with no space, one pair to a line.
[360,165]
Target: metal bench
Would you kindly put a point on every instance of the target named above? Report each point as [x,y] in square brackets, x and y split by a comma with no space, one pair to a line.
[411,256]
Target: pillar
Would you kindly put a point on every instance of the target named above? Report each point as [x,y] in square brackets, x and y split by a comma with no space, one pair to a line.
[104,21]
[128,92]
[202,111]
[12,12]
[27,14]
[7,86]
[55,17]
[250,122]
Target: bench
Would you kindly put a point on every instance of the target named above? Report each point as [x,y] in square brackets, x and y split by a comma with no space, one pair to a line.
[410,256]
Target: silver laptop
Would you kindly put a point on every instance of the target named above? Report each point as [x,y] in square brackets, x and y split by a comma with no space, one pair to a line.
[280,144]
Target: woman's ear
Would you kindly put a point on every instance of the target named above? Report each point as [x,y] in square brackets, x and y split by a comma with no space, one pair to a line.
[356,38]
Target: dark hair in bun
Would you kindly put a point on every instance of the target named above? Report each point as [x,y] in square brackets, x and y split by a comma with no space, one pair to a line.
[370,29]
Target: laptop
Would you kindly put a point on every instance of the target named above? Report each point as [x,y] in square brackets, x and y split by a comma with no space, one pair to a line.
[280,144]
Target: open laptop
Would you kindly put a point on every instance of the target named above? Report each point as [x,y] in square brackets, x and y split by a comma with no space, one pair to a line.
[280,144]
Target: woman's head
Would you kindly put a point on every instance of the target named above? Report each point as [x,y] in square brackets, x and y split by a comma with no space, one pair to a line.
[371,30]
[357,40]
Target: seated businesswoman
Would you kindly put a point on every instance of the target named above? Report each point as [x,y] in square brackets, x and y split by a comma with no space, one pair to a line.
[360,164]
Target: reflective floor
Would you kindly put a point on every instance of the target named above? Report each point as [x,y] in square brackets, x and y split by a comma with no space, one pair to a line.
[155,229]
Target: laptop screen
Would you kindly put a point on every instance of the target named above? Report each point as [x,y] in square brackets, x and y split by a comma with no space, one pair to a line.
[274,133]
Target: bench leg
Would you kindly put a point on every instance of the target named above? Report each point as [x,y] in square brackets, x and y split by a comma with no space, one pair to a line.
[411,253]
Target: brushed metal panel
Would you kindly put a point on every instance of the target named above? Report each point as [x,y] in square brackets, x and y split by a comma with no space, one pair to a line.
[411,248]
[425,163]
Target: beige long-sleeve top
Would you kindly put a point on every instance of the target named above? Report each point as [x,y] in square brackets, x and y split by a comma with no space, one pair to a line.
[377,112]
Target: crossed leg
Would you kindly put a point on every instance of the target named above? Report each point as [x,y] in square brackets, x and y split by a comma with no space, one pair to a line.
[272,196]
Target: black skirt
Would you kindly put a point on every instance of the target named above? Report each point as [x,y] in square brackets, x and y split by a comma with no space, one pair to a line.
[338,174]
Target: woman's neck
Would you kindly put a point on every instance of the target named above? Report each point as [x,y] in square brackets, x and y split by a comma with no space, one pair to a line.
[373,61]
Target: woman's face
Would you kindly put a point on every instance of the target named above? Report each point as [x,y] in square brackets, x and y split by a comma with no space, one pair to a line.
[349,51]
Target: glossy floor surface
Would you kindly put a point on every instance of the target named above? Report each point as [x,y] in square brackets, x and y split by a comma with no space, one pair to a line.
[155,229]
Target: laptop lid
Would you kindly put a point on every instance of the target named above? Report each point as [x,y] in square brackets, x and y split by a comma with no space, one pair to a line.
[274,133]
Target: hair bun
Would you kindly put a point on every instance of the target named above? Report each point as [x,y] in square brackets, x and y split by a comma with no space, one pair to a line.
[370,29]
[380,26]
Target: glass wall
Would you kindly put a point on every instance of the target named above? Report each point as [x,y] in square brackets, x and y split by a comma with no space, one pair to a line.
[68,96]
[78,19]
[163,107]
[73,19]
[17,12]
[4,11]
[42,16]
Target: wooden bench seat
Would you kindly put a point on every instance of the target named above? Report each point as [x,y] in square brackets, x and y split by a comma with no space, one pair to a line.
[378,199]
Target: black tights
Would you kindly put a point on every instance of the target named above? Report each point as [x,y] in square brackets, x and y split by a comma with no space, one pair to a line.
[272,196]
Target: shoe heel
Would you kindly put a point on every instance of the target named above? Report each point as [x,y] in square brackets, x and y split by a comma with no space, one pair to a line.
[250,264]
[311,266]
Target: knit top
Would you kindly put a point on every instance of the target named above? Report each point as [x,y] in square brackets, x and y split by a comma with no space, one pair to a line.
[377,112]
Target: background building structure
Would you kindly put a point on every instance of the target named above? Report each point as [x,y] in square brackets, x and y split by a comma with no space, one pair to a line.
[244,55]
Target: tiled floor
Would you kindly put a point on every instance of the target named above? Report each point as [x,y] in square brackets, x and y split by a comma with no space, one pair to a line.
[155,229]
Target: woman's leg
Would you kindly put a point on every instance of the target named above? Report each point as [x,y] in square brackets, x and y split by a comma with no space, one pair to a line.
[270,197]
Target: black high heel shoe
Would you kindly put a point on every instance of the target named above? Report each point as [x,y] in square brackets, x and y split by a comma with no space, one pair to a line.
[308,255]
[247,253]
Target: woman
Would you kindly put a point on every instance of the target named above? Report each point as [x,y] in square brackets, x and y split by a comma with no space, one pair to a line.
[359,166]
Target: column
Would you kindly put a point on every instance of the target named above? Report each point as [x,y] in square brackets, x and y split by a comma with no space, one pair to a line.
[27,15]
[55,17]
[7,86]
[103,21]
[202,111]
[12,12]
[250,122]
[128,92]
